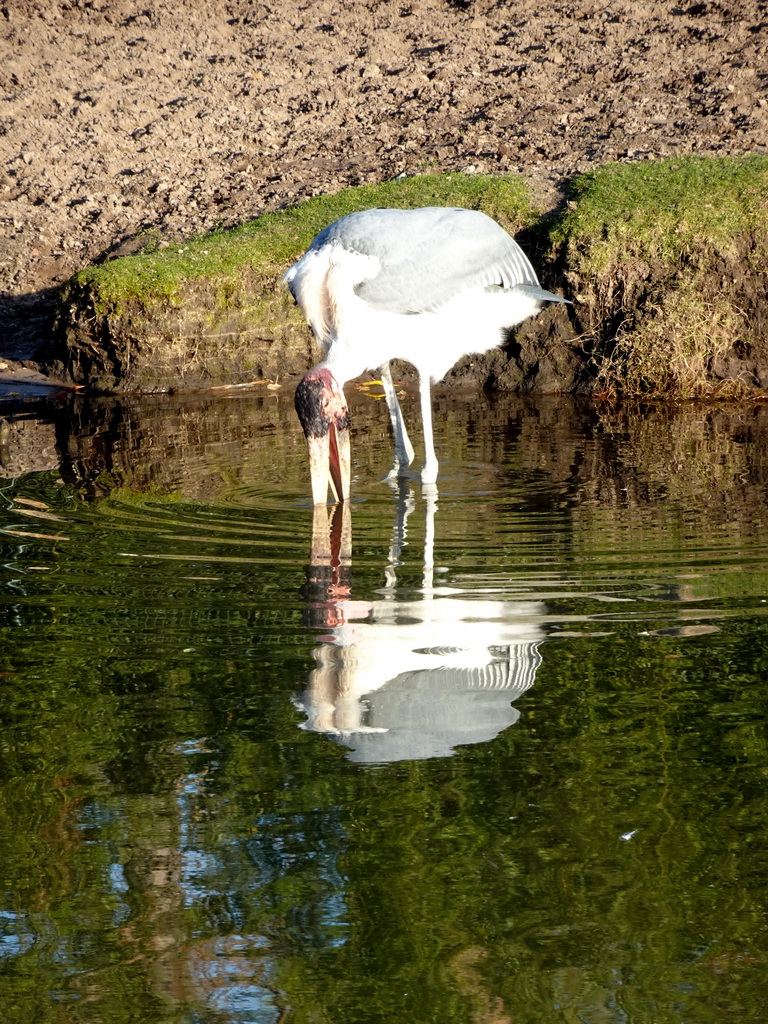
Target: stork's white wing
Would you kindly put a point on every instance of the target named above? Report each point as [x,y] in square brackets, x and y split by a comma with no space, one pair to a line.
[429,256]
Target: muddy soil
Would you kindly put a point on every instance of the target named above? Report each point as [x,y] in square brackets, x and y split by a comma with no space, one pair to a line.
[126,118]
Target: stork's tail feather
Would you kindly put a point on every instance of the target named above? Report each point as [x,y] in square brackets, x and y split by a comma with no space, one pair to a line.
[533,291]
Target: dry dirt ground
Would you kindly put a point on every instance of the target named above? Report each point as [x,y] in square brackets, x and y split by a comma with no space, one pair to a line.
[121,117]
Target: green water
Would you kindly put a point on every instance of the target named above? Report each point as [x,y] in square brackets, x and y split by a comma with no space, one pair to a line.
[497,755]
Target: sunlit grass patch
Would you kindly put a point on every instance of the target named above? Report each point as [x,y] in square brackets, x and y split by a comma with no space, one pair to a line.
[663,211]
[667,261]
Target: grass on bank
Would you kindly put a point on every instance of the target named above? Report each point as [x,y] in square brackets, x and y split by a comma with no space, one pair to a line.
[665,259]
[268,245]
[663,211]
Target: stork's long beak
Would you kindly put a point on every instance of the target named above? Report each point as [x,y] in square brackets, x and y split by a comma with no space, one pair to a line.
[339,463]
[329,464]
[323,413]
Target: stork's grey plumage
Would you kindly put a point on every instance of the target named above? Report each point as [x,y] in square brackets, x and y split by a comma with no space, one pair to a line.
[428,256]
[427,286]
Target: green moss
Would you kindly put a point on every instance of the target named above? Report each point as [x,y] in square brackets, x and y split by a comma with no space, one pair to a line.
[662,211]
[266,246]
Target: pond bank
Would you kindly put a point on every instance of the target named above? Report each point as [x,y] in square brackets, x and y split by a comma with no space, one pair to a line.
[665,263]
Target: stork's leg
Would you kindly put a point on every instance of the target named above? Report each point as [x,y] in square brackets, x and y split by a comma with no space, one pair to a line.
[430,497]
[403,447]
[405,505]
[429,472]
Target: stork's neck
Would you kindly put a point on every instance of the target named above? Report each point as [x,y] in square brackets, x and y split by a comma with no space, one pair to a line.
[335,367]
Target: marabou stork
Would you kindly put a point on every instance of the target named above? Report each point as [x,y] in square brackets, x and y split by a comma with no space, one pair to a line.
[428,286]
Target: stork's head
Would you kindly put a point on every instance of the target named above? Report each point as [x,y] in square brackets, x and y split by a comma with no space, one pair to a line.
[324,415]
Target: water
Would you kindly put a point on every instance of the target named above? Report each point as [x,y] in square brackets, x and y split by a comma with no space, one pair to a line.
[493,755]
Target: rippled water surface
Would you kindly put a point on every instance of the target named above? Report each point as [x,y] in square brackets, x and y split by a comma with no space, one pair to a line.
[496,754]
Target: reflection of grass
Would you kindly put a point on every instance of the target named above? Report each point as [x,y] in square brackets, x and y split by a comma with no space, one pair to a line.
[663,256]
[688,482]
[154,494]
[267,245]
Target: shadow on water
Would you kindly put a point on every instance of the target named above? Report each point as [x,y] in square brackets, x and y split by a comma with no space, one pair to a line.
[503,758]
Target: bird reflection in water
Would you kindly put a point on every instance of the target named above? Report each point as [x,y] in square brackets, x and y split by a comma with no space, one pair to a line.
[398,679]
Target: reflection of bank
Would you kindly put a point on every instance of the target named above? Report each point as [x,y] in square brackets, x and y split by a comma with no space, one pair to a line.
[411,679]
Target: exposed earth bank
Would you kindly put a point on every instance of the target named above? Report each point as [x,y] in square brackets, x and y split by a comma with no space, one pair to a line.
[128,119]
